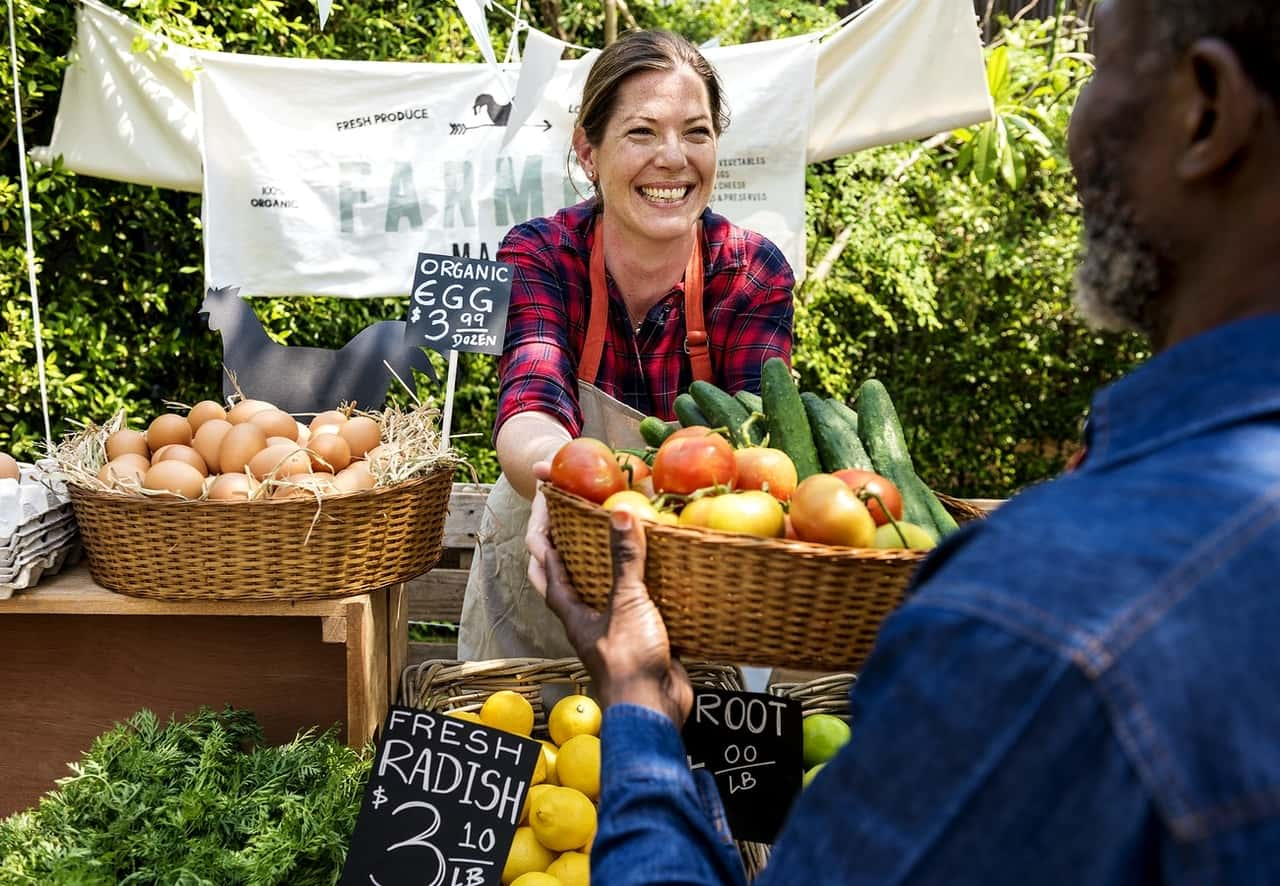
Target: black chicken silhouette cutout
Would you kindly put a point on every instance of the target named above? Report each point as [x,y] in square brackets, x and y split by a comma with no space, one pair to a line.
[498,114]
[304,380]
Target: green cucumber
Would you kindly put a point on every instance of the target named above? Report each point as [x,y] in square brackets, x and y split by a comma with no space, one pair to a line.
[758,428]
[841,409]
[881,434]
[654,430]
[751,400]
[838,444]
[688,412]
[788,424]
[941,516]
[721,409]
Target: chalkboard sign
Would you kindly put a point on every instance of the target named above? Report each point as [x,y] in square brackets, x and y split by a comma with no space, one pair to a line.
[753,744]
[459,304]
[442,803]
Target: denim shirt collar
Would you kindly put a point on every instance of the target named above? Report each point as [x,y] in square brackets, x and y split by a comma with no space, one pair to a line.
[1225,375]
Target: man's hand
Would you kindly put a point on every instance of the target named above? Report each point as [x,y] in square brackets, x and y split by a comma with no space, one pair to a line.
[625,649]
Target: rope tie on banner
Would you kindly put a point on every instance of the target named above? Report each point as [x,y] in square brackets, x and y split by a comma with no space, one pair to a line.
[26,220]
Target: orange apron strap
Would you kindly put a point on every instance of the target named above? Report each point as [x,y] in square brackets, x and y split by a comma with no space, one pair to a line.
[598,322]
[695,343]
[695,327]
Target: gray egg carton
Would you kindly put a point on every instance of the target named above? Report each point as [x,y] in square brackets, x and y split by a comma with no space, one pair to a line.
[38,532]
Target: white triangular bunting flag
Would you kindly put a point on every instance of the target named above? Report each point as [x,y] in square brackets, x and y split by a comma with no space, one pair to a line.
[541,56]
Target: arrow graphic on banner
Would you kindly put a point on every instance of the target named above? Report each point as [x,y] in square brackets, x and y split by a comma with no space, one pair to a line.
[460,128]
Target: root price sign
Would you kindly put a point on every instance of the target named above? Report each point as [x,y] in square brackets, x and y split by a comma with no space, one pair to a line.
[442,803]
[459,304]
[753,744]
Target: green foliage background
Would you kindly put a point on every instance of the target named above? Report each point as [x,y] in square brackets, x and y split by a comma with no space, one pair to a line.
[953,287]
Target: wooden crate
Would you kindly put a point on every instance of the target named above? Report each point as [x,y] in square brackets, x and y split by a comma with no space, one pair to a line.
[75,659]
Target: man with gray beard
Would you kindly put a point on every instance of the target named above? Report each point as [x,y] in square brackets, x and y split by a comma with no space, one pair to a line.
[1085,687]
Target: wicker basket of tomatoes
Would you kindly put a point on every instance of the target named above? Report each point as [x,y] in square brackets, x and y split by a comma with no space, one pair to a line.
[745,562]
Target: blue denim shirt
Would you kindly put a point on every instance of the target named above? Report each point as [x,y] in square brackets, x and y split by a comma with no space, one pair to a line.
[1083,689]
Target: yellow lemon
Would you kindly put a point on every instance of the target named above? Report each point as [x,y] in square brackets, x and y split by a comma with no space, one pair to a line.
[573,715]
[469,716]
[549,752]
[509,711]
[572,869]
[526,855]
[528,800]
[536,878]
[578,765]
[562,819]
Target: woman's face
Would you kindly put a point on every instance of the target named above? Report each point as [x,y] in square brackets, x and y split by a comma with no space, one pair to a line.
[656,164]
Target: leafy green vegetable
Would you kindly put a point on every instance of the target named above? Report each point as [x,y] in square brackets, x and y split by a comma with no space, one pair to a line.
[203,801]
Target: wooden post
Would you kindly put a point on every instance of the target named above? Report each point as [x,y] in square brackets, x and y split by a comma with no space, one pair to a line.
[610,21]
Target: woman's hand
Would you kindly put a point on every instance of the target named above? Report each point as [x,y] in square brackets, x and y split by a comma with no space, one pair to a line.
[625,649]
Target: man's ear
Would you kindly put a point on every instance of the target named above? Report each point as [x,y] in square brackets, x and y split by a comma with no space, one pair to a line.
[1220,107]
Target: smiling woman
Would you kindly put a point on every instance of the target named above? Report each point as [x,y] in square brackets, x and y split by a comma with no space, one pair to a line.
[620,301]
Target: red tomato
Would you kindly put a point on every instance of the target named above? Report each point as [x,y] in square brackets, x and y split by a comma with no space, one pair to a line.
[633,468]
[825,510]
[752,512]
[588,468]
[686,464]
[864,482]
[769,469]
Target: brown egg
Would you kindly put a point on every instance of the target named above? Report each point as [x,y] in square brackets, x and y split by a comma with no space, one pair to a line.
[126,440]
[181,453]
[281,460]
[167,429]
[320,430]
[204,411]
[330,452]
[127,469]
[208,440]
[276,441]
[176,477]
[361,434]
[242,411]
[353,478]
[232,487]
[330,417]
[276,423]
[239,446]
[9,467]
[304,433]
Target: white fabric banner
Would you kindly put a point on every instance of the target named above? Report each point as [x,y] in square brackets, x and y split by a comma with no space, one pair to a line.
[312,188]
[902,70]
[330,178]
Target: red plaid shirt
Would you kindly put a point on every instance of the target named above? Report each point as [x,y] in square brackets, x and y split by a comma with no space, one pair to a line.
[746,299]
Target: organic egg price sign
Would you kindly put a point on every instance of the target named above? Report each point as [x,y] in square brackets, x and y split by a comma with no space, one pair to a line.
[753,744]
[458,304]
[442,804]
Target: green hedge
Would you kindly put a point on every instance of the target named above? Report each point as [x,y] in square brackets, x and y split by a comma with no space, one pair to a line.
[953,288]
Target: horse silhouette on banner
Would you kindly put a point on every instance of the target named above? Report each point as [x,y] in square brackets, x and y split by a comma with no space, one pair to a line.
[304,380]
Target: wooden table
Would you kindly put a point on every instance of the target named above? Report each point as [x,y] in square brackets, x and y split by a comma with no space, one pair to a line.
[75,659]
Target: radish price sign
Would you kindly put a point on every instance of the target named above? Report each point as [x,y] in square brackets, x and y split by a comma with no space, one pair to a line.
[442,804]
[753,744]
[459,304]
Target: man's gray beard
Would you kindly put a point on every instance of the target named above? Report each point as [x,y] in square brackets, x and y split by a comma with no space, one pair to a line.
[1119,279]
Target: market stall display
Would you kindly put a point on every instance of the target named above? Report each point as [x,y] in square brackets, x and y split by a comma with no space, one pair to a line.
[38,533]
[248,503]
[548,699]
[781,529]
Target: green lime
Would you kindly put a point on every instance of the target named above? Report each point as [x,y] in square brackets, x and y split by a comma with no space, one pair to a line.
[824,734]
[811,774]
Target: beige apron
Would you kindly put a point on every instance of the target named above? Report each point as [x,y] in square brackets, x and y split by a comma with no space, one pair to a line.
[503,616]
